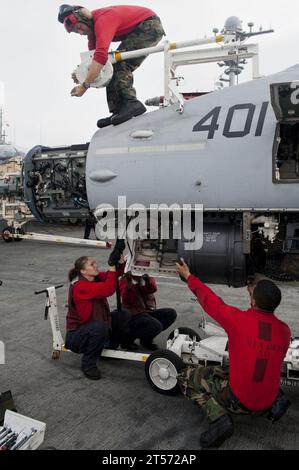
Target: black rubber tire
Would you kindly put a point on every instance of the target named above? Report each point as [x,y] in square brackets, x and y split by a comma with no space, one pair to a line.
[176,362]
[184,330]
[8,239]
[11,230]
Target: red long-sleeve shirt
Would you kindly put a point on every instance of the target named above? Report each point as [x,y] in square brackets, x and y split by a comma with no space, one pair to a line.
[85,292]
[257,343]
[138,299]
[112,24]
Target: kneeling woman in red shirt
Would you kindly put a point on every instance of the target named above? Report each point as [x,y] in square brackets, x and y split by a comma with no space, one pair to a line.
[89,323]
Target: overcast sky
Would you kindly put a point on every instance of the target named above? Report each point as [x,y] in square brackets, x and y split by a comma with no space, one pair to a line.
[38,56]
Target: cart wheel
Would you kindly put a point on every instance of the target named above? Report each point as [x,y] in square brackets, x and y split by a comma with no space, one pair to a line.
[6,234]
[187,331]
[161,370]
[55,355]
[8,230]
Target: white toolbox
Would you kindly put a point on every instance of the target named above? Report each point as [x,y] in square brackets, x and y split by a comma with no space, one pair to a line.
[23,425]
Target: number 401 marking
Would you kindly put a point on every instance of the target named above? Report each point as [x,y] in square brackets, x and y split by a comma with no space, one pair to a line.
[213,116]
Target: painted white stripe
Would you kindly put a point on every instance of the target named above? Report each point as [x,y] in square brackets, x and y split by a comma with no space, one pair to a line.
[148,149]
[128,356]
[151,149]
[112,150]
[187,147]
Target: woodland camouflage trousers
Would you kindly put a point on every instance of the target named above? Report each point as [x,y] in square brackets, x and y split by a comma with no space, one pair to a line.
[208,388]
[146,34]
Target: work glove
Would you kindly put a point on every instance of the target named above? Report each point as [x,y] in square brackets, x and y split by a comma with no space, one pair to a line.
[146,278]
[116,252]
[120,245]
[114,257]
[74,78]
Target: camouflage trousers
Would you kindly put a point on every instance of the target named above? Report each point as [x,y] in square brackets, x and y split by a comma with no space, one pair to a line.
[146,34]
[208,388]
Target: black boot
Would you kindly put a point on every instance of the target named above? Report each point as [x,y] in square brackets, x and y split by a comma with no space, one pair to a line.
[106,121]
[92,374]
[218,432]
[279,407]
[150,346]
[129,109]
[131,346]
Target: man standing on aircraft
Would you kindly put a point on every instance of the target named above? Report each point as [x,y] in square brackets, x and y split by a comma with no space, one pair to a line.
[258,342]
[90,224]
[136,28]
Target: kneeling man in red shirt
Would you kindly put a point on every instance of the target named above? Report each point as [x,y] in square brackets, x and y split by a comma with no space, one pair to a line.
[257,344]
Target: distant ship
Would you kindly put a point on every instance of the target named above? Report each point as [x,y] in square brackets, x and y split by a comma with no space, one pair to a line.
[7,151]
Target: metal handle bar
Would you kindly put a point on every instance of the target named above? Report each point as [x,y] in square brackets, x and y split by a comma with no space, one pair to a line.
[45,290]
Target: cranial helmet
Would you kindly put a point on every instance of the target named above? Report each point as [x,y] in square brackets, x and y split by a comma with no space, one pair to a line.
[69,15]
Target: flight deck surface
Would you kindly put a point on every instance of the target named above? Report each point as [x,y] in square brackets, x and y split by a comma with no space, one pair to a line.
[121,411]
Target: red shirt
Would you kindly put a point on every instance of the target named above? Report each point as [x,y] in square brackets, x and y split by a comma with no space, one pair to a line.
[112,24]
[85,292]
[138,299]
[257,342]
